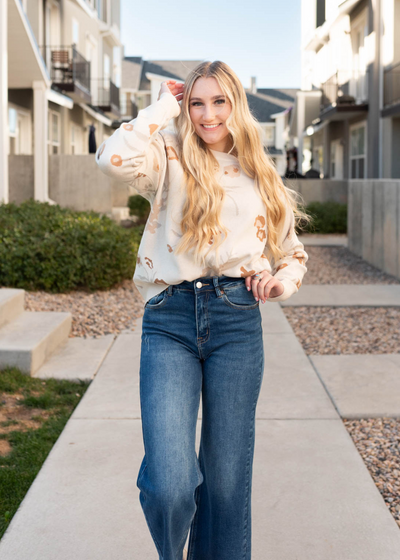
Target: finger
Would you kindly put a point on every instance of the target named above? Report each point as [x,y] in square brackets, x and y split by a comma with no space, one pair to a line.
[247,282]
[254,286]
[261,286]
[268,287]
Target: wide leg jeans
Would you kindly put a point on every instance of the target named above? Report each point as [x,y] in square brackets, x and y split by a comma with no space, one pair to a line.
[202,337]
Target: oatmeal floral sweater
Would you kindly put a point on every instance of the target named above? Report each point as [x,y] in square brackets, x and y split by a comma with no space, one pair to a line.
[145,156]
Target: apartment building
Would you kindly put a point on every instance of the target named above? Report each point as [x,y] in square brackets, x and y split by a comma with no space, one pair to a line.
[60,75]
[346,119]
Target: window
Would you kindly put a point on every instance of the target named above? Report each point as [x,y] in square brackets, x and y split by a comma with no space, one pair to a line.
[116,74]
[269,134]
[336,164]
[53,132]
[75,32]
[358,151]
[19,131]
[76,139]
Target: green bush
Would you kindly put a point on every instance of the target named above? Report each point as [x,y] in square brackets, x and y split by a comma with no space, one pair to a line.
[139,206]
[46,247]
[327,217]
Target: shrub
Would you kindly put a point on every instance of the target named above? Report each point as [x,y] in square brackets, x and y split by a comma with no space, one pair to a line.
[327,217]
[139,206]
[46,247]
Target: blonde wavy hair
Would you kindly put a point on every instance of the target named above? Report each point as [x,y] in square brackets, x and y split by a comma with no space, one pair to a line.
[201,212]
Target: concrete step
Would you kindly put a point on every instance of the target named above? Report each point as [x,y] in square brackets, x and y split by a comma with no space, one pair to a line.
[77,359]
[30,339]
[343,295]
[11,304]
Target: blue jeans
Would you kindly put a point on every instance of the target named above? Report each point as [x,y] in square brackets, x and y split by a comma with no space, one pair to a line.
[200,339]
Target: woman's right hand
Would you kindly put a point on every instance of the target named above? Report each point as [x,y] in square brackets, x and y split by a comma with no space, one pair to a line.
[173,87]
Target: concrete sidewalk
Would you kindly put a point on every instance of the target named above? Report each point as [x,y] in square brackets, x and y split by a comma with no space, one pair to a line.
[313,497]
[340,295]
[324,239]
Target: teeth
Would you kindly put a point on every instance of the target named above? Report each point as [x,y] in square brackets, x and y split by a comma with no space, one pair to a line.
[210,126]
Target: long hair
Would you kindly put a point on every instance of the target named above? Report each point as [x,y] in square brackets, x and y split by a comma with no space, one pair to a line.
[200,224]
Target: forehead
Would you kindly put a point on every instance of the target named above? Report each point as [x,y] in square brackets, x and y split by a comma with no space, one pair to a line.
[206,88]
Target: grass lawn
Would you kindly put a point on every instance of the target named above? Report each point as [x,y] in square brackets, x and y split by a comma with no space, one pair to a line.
[33,413]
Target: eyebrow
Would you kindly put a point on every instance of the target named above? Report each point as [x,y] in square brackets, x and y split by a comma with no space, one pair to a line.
[199,98]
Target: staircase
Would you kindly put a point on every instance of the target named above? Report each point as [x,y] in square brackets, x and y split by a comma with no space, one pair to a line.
[38,343]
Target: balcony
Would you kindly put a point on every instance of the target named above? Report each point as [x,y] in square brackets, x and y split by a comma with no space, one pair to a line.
[129,109]
[344,95]
[69,71]
[105,96]
[391,91]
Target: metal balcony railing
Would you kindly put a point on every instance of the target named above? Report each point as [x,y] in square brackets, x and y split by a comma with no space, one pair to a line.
[67,67]
[391,85]
[345,86]
[128,108]
[105,95]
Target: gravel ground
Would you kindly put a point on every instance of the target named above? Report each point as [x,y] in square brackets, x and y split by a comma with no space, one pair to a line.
[93,314]
[346,330]
[378,442]
[338,265]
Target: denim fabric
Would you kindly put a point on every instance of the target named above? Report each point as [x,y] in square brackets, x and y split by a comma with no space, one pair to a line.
[200,340]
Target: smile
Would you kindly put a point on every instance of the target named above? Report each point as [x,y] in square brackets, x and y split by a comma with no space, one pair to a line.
[210,126]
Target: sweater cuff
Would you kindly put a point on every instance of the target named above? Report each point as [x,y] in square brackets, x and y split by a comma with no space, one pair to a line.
[289,288]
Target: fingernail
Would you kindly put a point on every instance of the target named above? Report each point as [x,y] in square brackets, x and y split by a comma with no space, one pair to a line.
[263,301]
[248,288]
[256,298]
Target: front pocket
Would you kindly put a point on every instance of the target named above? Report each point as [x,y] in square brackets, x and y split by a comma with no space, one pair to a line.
[239,297]
[158,300]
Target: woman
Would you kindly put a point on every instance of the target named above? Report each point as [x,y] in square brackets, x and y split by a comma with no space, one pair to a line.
[219,239]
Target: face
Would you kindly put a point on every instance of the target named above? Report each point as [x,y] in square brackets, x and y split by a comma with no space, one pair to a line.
[208,111]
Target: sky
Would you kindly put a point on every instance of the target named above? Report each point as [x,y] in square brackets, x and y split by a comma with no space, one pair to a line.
[254,37]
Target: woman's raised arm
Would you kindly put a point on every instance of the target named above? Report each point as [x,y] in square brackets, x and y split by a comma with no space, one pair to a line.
[135,153]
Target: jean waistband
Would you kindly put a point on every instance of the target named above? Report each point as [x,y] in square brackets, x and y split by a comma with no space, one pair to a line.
[206,283]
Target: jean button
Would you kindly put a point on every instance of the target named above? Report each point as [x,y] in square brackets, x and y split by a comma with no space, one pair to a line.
[198,284]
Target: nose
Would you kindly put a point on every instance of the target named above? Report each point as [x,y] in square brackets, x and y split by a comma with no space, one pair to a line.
[208,114]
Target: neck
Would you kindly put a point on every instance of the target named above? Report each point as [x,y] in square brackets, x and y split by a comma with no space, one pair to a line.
[223,146]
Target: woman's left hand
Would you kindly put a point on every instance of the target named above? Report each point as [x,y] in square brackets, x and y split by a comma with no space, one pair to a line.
[264,285]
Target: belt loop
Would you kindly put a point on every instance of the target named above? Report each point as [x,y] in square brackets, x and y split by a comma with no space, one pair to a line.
[170,290]
[218,290]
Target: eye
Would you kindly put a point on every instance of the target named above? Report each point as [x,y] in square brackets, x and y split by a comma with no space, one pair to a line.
[220,100]
[195,103]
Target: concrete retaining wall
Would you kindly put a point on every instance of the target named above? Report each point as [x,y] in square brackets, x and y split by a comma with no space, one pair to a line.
[75,181]
[20,178]
[319,190]
[374,222]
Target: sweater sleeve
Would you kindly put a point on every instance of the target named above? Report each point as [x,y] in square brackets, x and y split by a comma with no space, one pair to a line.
[135,153]
[290,269]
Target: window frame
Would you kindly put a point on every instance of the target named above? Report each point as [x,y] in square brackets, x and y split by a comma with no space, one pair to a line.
[353,127]
[51,143]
